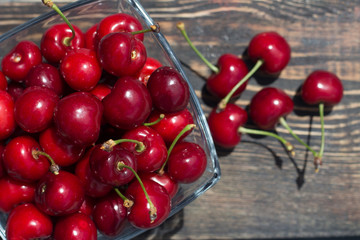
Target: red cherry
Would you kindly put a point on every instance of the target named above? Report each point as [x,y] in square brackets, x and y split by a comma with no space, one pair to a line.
[7,118]
[3,81]
[80,69]
[187,162]
[20,162]
[87,206]
[268,105]
[76,226]
[2,170]
[62,152]
[121,54]
[101,90]
[271,48]
[17,63]
[59,194]
[128,105]
[138,215]
[149,67]
[164,180]
[27,222]
[14,193]
[90,37]
[15,89]
[45,75]
[78,117]
[53,46]
[322,87]
[34,108]
[169,91]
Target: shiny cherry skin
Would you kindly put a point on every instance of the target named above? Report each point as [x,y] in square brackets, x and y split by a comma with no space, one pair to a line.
[109,215]
[322,87]
[7,117]
[128,105]
[52,44]
[34,108]
[92,186]
[224,125]
[101,90]
[121,54]
[187,162]
[164,180]
[19,161]
[76,226]
[59,194]
[17,63]
[149,67]
[26,221]
[78,117]
[273,49]
[2,170]
[268,105]
[45,75]
[62,152]
[90,37]
[80,69]
[15,193]
[15,89]
[88,205]
[138,214]
[104,165]
[168,89]
[172,124]
[231,70]
[3,81]
[155,153]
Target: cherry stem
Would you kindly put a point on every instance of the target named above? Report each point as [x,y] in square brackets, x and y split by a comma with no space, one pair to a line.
[153,210]
[289,147]
[54,168]
[152,28]
[50,4]
[181,27]
[183,131]
[110,144]
[318,158]
[161,117]
[226,99]
[127,202]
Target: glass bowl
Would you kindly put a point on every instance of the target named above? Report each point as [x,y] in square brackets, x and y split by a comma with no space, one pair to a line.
[84,14]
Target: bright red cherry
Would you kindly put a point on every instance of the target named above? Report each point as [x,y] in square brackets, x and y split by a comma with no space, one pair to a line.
[3,81]
[7,117]
[90,37]
[164,180]
[76,226]
[17,63]
[272,49]
[101,90]
[53,42]
[149,67]
[268,105]
[168,89]
[87,206]
[28,222]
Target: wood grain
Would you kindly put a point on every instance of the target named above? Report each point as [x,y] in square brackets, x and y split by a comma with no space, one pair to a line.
[264,193]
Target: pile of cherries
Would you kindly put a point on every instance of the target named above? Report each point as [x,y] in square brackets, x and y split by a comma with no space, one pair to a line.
[92,133]
[268,53]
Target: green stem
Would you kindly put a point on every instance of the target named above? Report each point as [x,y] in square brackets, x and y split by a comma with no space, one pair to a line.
[127,202]
[183,131]
[153,28]
[54,168]
[289,146]
[156,121]
[227,98]
[110,144]
[153,210]
[322,146]
[181,27]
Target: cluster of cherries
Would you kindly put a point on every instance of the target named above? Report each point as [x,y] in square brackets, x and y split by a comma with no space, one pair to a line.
[61,173]
[268,53]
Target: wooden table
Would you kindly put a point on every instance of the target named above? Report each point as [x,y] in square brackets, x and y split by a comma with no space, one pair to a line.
[264,193]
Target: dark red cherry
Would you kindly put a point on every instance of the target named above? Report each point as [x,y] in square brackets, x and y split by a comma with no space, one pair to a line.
[187,162]
[322,87]
[80,69]
[168,89]
[90,37]
[149,67]
[2,170]
[128,105]
[224,125]
[15,89]
[28,222]
[87,206]
[268,105]
[77,118]
[20,162]
[138,214]
[76,226]
[59,194]
[121,54]
[17,63]
[109,215]
[53,44]
[14,193]
[271,48]
[7,117]
[34,108]
[3,81]
[164,180]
